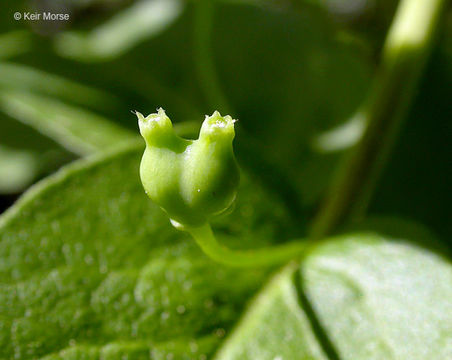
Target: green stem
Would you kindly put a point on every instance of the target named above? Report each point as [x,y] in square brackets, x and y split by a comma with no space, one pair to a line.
[406,49]
[246,258]
[204,63]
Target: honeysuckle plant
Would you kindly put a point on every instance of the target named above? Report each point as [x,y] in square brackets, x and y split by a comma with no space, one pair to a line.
[91,269]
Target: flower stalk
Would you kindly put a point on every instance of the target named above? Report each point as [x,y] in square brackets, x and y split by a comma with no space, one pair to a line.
[406,49]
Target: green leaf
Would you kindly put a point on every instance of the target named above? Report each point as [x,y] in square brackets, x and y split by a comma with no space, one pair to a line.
[25,78]
[90,268]
[118,35]
[14,43]
[19,168]
[27,95]
[76,129]
[26,155]
[362,296]
[275,326]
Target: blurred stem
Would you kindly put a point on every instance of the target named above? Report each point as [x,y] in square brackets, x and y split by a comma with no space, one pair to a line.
[407,46]
[204,63]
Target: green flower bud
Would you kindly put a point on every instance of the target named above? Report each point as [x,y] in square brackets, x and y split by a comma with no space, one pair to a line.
[192,180]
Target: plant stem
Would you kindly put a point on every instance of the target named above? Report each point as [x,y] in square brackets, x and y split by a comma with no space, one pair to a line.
[405,52]
[204,63]
[246,258]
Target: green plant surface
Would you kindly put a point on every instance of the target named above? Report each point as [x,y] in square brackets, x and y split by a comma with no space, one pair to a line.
[14,43]
[27,156]
[362,295]
[77,129]
[28,79]
[91,269]
[25,153]
[39,133]
[140,21]
[420,163]
[315,77]
[100,267]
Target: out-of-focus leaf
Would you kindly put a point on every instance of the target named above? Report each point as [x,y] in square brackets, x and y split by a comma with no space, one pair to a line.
[78,130]
[142,20]
[18,168]
[20,77]
[14,43]
[361,296]
[26,155]
[341,137]
[90,267]
[343,7]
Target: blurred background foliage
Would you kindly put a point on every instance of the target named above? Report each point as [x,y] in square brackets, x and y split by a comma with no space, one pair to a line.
[293,72]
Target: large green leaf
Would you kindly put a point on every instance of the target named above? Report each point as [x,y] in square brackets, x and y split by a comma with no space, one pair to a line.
[362,296]
[91,269]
